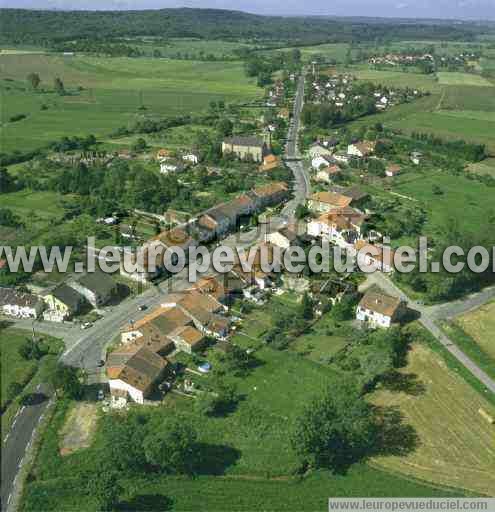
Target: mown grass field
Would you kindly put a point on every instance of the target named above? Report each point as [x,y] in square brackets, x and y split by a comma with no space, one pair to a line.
[455,445]
[468,98]
[480,325]
[113,90]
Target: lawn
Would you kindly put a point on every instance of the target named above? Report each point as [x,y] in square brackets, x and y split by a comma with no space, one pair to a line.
[321,341]
[107,93]
[450,78]
[455,443]
[480,325]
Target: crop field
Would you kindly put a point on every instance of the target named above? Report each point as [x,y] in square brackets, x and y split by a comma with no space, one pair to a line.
[449,78]
[472,199]
[480,325]
[457,451]
[104,94]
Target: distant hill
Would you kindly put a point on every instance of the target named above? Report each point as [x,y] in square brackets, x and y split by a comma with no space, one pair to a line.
[22,26]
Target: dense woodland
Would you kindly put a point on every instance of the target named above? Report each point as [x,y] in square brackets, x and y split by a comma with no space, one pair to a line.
[50,28]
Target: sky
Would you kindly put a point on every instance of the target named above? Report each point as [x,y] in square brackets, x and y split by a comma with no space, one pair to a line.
[445,9]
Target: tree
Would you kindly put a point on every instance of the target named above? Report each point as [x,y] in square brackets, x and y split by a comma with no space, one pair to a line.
[30,350]
[140,145]
[170,445]
[34,80]
[65,379]
[235,361]
[14,389]
[302,211]
[307,307]
[344,309]
[336,429]
[7,182]
[123,442]
[103,485]
[225,127]
[58,85]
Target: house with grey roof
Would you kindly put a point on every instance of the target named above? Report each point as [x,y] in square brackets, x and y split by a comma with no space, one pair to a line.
[96,287]
[63,302]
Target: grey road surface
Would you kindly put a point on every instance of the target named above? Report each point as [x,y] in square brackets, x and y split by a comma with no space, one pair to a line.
[15,444]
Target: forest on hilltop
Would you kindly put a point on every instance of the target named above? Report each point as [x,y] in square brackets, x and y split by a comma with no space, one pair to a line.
[47,28]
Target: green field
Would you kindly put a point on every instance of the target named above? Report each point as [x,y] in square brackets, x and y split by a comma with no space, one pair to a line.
[16,369]
[468,98]
[480,325]
[449,126]
[472,199]
[397,78]
[486,167]
[190,47]
[212,494]
[449,78]
[113,90]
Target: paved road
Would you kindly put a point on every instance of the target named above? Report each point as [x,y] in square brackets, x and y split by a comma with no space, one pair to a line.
[430,314]
[16,443]
[458,307]
[302,188]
